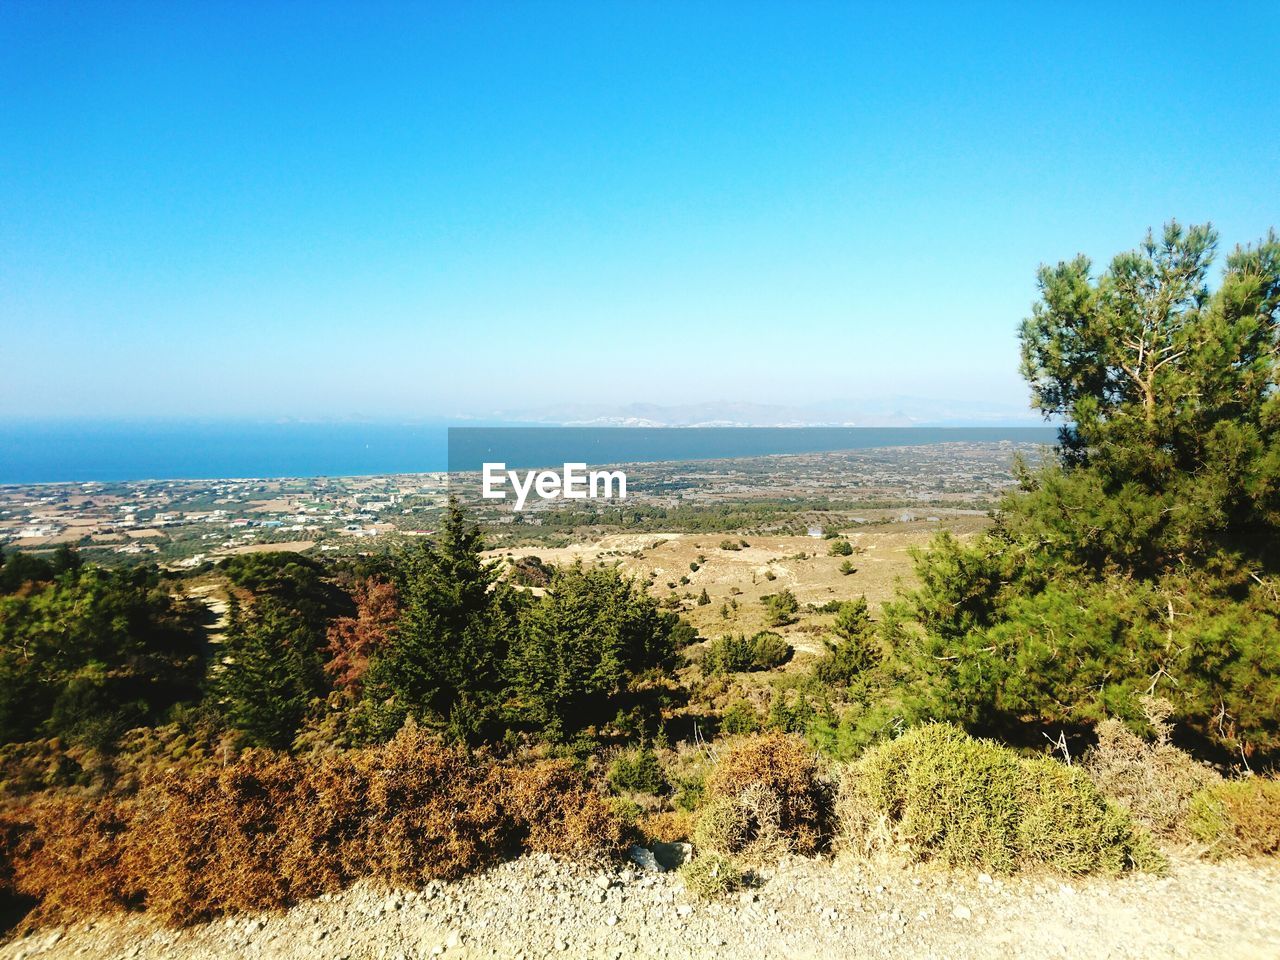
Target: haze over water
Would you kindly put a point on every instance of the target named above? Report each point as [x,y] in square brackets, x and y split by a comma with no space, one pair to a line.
[41,452]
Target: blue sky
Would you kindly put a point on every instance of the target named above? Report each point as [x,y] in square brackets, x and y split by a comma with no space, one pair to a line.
[432,209]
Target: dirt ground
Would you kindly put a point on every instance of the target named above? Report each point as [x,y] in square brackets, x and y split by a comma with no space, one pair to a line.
[803,910]
[295,545]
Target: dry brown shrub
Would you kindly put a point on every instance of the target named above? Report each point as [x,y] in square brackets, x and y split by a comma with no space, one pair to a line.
[353,640]
[1153,780]
[767,797]
[666,826]
[269,830]
[1238,818]
[71,854]
[557,812]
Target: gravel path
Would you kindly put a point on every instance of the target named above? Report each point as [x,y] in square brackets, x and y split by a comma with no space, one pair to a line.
[537,907]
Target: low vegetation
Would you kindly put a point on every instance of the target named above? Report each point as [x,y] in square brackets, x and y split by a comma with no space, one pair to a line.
[637,771]
[268,830]
[766,797]
[937,794]
[1239,818]
[734,653]
[1152,779]
[711,875]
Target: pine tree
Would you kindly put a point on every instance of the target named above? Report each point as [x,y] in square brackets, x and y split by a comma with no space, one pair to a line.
[855,647]
[581,643]
[444,664]
[271,671]
[1146,557]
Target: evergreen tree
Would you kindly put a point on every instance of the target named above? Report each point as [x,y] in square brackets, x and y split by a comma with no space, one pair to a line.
[780,608]
[272,668]
[271,671]
[444,663]
[855,647]
[92,652]
[580,645]
[1168,391]
[1144,559]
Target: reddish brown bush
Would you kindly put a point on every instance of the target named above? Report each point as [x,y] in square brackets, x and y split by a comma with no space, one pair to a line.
[767,796]
[71,855]
[269,830]
[353,640]
[557,812]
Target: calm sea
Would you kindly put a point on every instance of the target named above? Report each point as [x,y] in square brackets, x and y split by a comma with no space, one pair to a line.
[65,451]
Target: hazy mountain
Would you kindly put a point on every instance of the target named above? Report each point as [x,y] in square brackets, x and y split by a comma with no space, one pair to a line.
[883,412]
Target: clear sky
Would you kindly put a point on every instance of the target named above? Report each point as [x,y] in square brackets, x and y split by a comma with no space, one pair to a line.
[293,209]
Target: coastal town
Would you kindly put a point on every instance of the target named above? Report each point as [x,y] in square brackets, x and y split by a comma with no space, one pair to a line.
[182,524]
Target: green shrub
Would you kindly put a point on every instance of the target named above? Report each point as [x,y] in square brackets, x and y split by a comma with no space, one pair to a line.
[689,792]
[637,771]
[780,608]
[939,794]
[768,650]
[729,654]
[1066,825]
[840,548]
[734,653]
[711,875]
[854,648]
[1238,818]
[682,633]
[791,714]
[740,717]
[721,826]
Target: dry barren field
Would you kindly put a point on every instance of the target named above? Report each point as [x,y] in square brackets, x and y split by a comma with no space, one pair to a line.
[767,564]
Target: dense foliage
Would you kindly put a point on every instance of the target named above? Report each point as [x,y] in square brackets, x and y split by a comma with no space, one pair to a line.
[736,653]
[1138,567]
[580,646]
[86,653]
[1145,559]
[273,663]
[446,659]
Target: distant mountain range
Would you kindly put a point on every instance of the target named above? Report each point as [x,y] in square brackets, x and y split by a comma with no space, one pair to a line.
[884,412]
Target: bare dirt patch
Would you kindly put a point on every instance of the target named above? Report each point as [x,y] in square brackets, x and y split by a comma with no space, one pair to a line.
[537,907]
[295,546]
